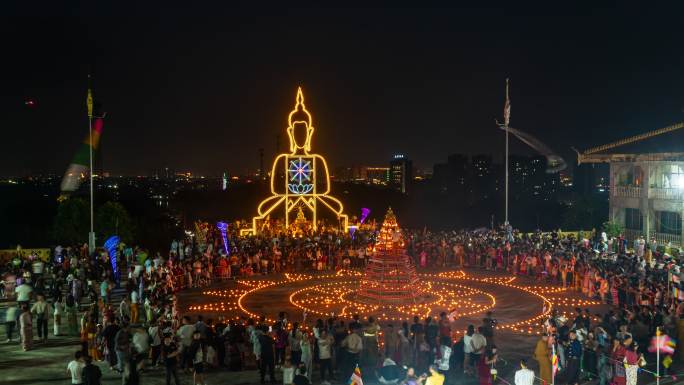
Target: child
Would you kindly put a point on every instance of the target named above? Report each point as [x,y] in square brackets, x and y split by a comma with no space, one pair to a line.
[288,372]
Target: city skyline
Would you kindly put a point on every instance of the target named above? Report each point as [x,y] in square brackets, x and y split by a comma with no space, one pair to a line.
[205,88]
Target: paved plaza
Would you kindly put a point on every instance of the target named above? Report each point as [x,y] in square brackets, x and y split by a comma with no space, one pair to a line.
[515,302]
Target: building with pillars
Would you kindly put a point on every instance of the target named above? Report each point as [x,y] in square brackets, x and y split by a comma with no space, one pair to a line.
[646,190]
[647,196]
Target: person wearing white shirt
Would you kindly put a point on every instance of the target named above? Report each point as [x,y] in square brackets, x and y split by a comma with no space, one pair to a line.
[468,348]
[24,292]
[75,368]
[155,334]
[524,376]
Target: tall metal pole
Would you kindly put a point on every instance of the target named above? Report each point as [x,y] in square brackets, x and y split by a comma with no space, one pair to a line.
[91,234]
[658,355]
[507,115]
[506,216]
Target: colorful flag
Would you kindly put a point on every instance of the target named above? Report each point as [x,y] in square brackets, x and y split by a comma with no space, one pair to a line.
[355,378]
[79,167]
[507,107]
[554,361]
[89,103]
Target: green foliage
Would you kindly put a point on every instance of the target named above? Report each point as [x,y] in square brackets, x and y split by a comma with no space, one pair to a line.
[113,219]
[71,224]
[612,229]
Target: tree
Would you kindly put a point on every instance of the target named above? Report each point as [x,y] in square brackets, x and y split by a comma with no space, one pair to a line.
[612,229]
[71,224]
[113,219]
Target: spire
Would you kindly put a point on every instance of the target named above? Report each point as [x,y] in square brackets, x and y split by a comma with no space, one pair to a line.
[300,96]
[300,114]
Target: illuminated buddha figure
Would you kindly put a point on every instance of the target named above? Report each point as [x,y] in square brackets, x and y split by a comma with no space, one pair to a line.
[300,177]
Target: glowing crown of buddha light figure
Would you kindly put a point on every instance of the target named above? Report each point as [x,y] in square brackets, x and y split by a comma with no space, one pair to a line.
[300,115]
[306,180]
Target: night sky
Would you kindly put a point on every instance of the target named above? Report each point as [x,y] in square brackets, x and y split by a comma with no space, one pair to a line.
[202,88]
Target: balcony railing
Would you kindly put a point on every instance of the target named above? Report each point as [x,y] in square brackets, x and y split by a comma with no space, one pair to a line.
[663,239]
[631,235]
[627,191]
[665,193]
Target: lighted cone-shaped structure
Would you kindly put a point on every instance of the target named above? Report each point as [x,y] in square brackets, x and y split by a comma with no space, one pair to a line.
[390,275]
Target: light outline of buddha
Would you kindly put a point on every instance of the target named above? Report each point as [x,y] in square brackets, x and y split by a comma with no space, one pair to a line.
[303,171]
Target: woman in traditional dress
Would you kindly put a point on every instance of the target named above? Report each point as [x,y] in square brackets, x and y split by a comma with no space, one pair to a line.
[603,289]
[71,314]
[486,365]
[91,335]
[369,354]
[631,361]
[307,354]
[616,358]
[26,328]
[57,319]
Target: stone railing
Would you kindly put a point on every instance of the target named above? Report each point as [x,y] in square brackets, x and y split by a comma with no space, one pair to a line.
[665,193]
[663,239]
[631,235]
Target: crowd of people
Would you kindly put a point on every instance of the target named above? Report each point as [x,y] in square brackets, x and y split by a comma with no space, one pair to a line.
[126,314]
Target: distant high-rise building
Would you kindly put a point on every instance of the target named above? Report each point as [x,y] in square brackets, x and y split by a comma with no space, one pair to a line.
[401,173]
[377,175]
[458,167]
[482,165]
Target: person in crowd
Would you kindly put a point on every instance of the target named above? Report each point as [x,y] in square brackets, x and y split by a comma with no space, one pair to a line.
[108,337]
[267,347]
[435,378]
[91,373]
[307,353]
[170,352]
[155,333]
[122,347]
[289,372]
[351,348]
[301,377]
[26,328]
[295,343]
[75,368]
[71,310]
[573,356]
[388,374]
[410,378]
[543,357]
[42,311]
[325,345]
[198,352]
[184,334]
[11,317]
[524,376]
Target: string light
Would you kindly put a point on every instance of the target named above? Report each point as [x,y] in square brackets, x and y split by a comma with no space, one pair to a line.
[336,294]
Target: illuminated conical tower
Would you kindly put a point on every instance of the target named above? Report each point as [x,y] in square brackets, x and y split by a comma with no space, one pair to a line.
[390,275]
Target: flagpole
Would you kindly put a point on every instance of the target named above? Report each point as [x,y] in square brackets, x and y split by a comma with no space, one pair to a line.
[91,234]
[657,355]
[506,122]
